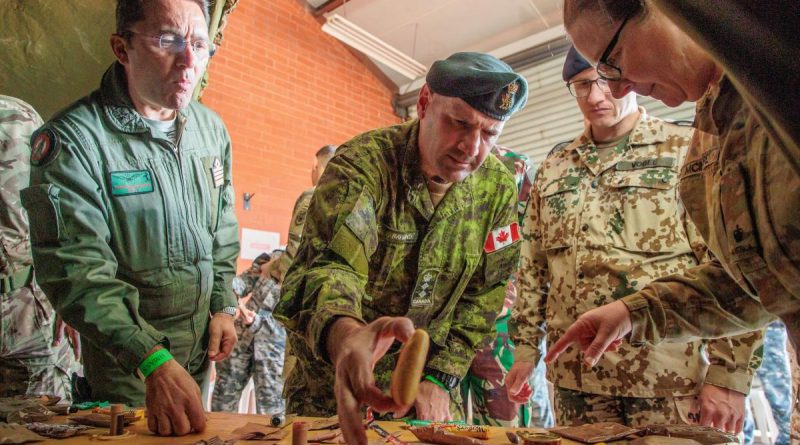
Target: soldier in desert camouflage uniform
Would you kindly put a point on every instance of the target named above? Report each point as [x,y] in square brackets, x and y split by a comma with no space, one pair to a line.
[321,159]
[28,363]
[261,342]
[409,224]
[484,381]
[740,179]
[602,222]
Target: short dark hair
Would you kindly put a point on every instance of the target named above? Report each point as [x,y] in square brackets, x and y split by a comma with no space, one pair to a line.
[132,11]
[615,10]
[327,150]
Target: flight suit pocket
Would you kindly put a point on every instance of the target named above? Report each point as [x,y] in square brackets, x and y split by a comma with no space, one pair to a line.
[644,214]
[216,191]
[44,211]
[140,226]
[161,305]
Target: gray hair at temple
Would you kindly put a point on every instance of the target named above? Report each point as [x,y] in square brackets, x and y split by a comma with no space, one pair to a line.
[615,10]
[132,11]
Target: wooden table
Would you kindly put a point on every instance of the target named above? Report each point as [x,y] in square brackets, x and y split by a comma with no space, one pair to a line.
[221,424]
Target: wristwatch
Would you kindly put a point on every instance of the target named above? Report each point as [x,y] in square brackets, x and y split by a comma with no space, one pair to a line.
[450,381]
[230,310]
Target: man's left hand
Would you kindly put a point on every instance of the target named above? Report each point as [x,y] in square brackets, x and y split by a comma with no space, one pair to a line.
[222,337]
[433,403]
[721,408]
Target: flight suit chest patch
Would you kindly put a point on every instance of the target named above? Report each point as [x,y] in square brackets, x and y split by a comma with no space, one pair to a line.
[423,291]
[133,182]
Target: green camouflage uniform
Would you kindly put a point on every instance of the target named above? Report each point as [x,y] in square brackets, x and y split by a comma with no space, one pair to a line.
[374,245]
[259,351]
[601,224]
[484,381]
[28,363]
[296,229]
[134,237]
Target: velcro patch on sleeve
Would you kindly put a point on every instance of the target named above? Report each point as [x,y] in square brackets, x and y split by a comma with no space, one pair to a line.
[501,237]
[45,147]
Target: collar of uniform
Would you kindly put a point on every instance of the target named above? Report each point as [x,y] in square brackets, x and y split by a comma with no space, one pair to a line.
[458,195]
[411,172]
[647,131]
[117,102]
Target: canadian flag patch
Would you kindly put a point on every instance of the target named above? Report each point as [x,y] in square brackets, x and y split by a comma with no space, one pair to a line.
[501,237]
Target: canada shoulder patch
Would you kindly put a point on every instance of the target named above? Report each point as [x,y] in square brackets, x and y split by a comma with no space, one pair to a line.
[45,147]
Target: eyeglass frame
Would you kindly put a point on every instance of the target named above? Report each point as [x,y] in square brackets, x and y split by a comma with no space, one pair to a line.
[602,64]
[212,49]
[607,90]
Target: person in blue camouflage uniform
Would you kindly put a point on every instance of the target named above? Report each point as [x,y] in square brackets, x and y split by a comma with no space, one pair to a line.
[262,341]
[775,375]
[410,225]
[484,381]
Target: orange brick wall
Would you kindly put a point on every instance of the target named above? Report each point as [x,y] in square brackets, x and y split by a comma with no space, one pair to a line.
[284,89]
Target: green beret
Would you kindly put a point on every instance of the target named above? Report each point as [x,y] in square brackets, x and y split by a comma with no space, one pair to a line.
[484,82]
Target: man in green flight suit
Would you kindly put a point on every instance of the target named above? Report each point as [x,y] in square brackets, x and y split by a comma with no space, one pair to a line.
[411,225]
[132,225]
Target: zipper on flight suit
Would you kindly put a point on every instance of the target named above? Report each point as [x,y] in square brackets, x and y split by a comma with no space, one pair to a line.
[174,147]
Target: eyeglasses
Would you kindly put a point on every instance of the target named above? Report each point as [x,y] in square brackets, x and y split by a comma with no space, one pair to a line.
[606,70]
[583,88]
[176,44]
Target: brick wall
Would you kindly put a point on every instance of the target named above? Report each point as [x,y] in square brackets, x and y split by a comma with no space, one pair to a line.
[284,89]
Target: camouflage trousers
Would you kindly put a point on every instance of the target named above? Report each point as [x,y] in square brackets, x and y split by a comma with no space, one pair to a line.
[578,408]
[483,386]
[29,365]
[259,354]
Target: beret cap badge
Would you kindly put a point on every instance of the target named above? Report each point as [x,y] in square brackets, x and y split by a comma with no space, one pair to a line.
[508,97]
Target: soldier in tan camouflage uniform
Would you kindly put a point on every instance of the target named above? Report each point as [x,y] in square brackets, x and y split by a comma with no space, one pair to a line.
[603,221]
[413,224]
[28,363]
[259,350]
[321,159]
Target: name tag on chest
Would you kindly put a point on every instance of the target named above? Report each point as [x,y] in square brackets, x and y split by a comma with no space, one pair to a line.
[133,182]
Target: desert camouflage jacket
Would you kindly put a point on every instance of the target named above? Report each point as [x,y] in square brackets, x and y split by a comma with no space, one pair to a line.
[601,224]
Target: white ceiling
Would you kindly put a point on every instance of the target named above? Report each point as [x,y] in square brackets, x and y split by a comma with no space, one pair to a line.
[429,30]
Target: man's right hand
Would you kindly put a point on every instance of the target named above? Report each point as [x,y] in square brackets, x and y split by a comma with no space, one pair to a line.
[516,382]
[596,331]
[173,401]
[354,349]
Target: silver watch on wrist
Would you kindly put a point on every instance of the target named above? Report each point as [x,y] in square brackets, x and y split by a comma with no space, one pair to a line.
[230,310]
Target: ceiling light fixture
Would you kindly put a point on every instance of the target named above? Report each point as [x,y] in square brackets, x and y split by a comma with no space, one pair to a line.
[356,37]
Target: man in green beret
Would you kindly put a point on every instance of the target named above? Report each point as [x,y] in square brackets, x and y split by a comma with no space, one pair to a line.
[410,226]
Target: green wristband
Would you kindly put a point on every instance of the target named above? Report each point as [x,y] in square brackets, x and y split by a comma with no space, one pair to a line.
[438,383]
[153,361]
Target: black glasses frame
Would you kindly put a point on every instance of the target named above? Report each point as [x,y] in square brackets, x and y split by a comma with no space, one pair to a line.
[606,70]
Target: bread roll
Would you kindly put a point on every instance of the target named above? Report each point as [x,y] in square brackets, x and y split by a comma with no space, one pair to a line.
[408,371]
